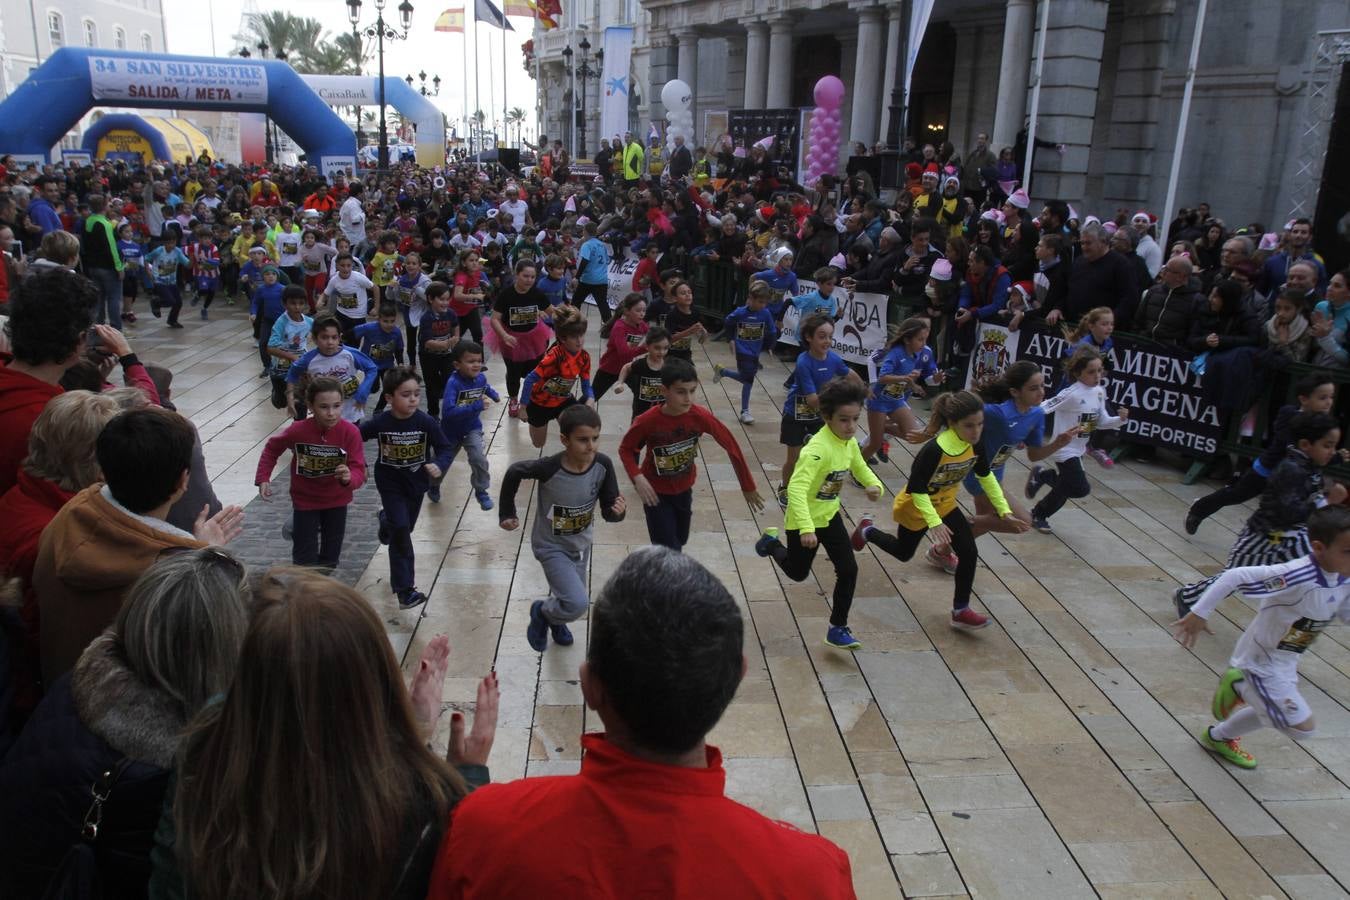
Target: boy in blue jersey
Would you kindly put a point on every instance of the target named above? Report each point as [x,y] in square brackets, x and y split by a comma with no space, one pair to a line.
[266,305]
[412,451]
[355,371]
[753,332]
[286,344]
[382,342]
[822,299]
[162,264]
[462,414]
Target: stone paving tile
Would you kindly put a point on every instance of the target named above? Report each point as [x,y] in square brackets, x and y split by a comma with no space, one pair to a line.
[1049,756]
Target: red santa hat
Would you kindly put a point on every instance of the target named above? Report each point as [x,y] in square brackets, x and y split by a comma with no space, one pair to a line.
[1027,289]
[1144,216]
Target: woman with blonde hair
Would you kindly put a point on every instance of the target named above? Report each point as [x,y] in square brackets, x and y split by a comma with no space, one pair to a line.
[58,249]
[312,778]
[112,726]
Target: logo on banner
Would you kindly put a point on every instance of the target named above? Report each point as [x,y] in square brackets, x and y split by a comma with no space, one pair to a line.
[121,78]
[330,166]
[994,349]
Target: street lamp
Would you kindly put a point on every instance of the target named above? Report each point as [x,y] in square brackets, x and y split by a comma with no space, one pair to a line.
[583,71]
[432,91]
[382,32]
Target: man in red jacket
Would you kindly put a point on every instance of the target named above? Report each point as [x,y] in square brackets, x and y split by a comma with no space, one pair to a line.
[648,815]
[49,315]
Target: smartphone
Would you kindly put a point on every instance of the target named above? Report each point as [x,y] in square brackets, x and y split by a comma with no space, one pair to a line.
[16,250]
[92,339]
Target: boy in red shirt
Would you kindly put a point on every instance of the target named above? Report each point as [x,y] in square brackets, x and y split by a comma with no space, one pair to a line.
[665,479]
[647,816]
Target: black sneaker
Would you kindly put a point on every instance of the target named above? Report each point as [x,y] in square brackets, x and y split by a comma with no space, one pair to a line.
[411,599]
[434,493]
[383,533]
[562,635]
[1033,483]
[1193,520]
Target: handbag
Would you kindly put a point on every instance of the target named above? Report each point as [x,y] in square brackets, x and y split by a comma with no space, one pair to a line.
[77,875]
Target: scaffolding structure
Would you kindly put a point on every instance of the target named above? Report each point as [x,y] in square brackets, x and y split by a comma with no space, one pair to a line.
[1331,51]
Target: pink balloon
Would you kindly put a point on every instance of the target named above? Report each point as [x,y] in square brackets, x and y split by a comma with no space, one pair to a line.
[829,92]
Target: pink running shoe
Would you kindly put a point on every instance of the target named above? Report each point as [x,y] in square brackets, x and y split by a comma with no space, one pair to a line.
[968,620]
[1103,458]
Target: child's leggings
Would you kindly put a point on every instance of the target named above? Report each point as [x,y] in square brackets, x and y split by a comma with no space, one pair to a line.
[1066,483]
[317,536]
[906,541]
[746,369]
[515,372]
[565,571]
[795,561]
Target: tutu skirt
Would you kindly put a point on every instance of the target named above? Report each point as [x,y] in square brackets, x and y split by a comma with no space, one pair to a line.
[530,345]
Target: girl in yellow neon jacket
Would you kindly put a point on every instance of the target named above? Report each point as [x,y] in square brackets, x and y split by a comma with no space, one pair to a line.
[928,503]
[813,518]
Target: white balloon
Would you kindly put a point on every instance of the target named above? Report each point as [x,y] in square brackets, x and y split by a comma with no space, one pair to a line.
[676,95]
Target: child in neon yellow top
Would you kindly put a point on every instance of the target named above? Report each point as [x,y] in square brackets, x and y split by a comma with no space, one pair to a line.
[813,516]
[928,503]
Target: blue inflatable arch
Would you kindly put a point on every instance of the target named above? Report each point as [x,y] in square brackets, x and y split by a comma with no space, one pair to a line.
[72,81]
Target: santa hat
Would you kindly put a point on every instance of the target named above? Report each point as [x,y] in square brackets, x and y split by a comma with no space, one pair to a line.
[1027,289]
[941,270]
[1143,216]
[1092,220]
[951,179]
[1007,187]
[584,220]
[1269,241]
[738,153]
[912,170]
[1073,213]
[994,215]
[1289,226]
[766,143]
[1110,227]
[570,205]
[838,261]
[929,174]
[1019,199]
[765,214]
[779,255]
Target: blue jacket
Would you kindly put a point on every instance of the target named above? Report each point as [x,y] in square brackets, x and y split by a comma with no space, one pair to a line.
[462,406]
[43,214]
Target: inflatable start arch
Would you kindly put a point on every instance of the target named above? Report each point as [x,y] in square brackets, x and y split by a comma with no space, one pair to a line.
[72,81]
[359,90]
[144,139]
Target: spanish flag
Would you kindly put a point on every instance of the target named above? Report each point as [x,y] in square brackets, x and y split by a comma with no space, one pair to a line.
[548,12]
[451,20]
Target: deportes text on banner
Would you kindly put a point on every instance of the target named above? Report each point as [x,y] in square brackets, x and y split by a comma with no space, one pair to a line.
[859,333]
[116,78]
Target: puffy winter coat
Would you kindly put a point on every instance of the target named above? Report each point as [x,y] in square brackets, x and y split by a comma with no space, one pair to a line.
[1165,314]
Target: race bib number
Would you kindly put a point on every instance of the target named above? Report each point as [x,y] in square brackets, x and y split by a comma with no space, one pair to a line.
[1001,456]
[572,519]
[949,474]
[289,246]
[831,486]
[802,411]
[349,386]
[682,344]
[470,397]
[649,389]
[559,387]
[895,390]
[346,301]
[311,266]
[1301,634]
[403,449]
[676,458]
[522,316]
[318,460]
[750,331]
[635,340]
[1087,422]
[379,352]
[405,295]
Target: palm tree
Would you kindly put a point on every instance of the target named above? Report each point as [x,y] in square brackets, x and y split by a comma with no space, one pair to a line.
[350,43]
[515,116]
[328,59]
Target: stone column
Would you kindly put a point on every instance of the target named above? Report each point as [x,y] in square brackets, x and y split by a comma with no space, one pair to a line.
[866,88]
[735,80]
[1136,162]
[662,68]
[756,64]
[779,93]
[893,20]
[1014,72]
[687,66]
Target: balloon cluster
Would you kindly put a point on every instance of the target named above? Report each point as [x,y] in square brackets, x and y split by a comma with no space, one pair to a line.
[676,97]
[823,156]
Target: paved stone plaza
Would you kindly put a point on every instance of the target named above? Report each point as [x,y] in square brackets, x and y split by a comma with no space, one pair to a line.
[1050,755]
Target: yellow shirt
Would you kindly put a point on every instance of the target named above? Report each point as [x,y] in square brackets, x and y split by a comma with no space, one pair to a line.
[936,476]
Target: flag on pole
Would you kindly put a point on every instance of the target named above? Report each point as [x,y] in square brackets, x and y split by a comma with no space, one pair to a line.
[484,11]
[451,20]
[519,8]
[548,12]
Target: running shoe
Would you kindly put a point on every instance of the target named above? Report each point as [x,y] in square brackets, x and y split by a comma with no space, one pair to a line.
[175,324]
[154,310]
[562,635]
[1033,482]
[967,619]
[1193,520]
[434,493]
[1226,697]
[1229,750]
[411,599]
[717,374]
[839,636]
[1102,457]
[764,546]
[484,500]
[537,632]
[947,562]
[884,454]
[513,408]
[746,418]
[782,496]
[859,539]
[1041,524]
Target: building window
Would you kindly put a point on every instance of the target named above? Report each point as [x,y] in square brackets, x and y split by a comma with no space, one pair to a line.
[90,33]
[56,32]
[146,46]
[120,38]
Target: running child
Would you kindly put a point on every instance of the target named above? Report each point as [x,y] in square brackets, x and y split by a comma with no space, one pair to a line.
[467,394]
[625,343]
[1083,402]
[266,306]
[410,290]
[381,341]
[411,452]
[683,323]
[549,387]
[816,365]
[664,300]
[517,330]
[1277,532]
[1013,418]
[205,269]
[753,331]
[670,432]
[469,293]
[132,253]
[642,376]
[1298,599]
[1313,393]
[349,293]
[330,464]
[355,371]
[571,483]
[928,503]
[438,332]
[384,266]
[1094,330]
[906,362]
[554,281]
[287,343]
[314,258]
[162,264]
[813,516]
